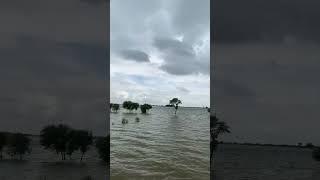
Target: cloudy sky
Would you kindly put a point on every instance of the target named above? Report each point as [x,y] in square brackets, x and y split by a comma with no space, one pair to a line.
[267,69]
[52,68]
[160,50]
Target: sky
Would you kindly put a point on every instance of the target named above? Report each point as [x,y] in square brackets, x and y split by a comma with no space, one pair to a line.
[53,64]
[266,69]
[160,50]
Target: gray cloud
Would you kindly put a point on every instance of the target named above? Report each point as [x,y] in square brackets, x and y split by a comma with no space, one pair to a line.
[183,89]
[179,54]
[135,55]
[266,21]
[174,46]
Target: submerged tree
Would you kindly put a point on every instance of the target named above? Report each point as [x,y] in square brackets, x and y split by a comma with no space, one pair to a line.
[115,107]
[3,142]
[316,154]
[103,147]
[217,128]
[129,105]
[145,107]
[56,138]
[175,103]
[19,144]
[86,139]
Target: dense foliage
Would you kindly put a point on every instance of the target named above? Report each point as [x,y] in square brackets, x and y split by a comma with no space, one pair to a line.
[129,105]
[145,107]
[64,140]
[115,107]
[18,144]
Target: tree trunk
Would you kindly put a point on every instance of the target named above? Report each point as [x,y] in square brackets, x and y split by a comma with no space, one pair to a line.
[81,157]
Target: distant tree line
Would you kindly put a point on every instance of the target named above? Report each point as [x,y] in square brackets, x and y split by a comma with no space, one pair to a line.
[65,141]
[61,139]
[131,106]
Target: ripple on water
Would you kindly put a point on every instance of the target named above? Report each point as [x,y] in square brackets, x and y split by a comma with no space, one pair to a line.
[161,145]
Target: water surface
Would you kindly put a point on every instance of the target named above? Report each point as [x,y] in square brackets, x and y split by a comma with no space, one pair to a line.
[162,145]
[240,162]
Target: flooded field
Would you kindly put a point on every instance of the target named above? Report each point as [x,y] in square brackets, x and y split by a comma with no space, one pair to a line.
[242,162]
[46,165]
[161,145]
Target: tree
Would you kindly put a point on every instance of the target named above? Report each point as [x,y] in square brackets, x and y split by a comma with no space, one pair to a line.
[56,138]
[115,107]
[175,103]
[145,107]
[85,140]
[129,105]
[103,147]
[217,128]
[3,142]
[316,154]
[19,144]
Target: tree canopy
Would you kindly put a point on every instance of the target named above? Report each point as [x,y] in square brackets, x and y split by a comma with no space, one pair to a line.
[175,103]
[129,105]
[145,107]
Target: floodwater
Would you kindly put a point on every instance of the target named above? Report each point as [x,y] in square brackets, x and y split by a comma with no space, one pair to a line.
[43,164]
[243,162]
[161,145]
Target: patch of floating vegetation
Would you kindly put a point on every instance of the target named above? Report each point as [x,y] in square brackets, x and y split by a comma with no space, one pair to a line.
[124,121]
[137,119]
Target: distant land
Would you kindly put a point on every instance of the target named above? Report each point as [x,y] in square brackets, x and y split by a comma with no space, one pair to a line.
[168,105]
[307,145]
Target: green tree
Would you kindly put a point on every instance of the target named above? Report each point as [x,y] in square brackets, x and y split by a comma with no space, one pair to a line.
[175,103]
[3,142]
[145,107]
[103,147]
[19,144]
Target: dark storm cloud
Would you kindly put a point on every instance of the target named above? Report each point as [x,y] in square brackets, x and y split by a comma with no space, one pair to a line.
[266,21]
[270,49]
[232,89]
[135,55]
[53,62]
